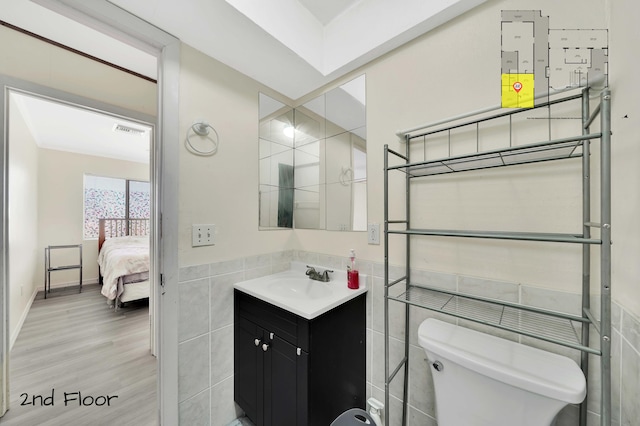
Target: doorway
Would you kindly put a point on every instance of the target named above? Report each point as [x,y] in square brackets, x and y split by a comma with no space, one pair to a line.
[63,156]
[20,93]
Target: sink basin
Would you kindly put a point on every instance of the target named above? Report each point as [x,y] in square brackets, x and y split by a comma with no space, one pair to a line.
[297,288]
[293,291]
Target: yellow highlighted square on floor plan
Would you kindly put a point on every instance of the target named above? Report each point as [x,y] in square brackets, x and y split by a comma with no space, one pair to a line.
[517,91]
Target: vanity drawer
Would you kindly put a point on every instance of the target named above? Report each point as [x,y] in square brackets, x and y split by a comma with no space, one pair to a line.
[283,324]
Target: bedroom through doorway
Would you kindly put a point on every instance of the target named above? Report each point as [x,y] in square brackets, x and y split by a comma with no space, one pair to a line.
[70,166]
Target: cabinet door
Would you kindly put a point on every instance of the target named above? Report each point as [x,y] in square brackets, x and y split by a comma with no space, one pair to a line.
[284,385]
[248,358]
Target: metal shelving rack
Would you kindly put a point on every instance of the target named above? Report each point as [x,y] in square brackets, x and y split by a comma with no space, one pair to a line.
[48,269]
[555,327]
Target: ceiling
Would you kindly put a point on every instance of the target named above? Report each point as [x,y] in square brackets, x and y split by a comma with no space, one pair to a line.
[326,10]
[64,127]
[296,46]
[292,46]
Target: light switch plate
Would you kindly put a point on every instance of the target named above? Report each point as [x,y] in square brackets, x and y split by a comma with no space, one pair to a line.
[203,235]
[373,233]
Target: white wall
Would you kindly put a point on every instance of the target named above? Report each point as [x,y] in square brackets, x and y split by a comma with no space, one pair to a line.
[60,206]
[24,261]
[624,39]
[221,189]
[455,69]
[59,69]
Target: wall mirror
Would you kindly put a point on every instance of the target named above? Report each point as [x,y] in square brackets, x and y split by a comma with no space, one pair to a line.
[276,164]
[313,161]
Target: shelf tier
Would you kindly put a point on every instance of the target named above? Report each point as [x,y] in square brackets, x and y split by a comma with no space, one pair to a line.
[555,327]
[520,236]
[64,268]
[558,149]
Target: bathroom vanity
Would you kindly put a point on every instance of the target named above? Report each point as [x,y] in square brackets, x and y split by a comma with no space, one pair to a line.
[291,370]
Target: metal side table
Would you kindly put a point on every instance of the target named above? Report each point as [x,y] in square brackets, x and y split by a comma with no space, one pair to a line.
[48,268]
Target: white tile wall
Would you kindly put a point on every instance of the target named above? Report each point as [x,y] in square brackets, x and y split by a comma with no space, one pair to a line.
[205,351]
[194,309]
[196,410]
[206,339]
[628,345]
[193,367]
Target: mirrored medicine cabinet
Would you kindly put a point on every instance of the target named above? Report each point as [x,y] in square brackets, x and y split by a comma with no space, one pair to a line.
[313,161]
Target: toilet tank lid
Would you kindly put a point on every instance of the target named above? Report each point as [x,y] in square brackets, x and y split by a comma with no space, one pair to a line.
[531,369]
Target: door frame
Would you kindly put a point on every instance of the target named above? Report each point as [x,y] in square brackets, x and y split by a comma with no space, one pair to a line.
[10,85]
[115,22]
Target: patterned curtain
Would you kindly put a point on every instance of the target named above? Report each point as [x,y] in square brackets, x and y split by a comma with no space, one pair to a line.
[106,198]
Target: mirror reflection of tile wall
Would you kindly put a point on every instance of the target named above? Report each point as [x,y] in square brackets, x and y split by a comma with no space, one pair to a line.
[323,143]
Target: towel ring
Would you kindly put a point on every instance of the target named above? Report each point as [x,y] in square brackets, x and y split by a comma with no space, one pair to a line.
[202,129]
[346,176]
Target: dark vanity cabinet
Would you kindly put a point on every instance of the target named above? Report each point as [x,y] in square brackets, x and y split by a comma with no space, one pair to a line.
[290,371]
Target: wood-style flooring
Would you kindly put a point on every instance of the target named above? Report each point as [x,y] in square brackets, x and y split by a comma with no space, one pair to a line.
[75,344]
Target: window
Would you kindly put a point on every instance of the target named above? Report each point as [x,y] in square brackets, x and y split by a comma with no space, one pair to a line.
[106,197]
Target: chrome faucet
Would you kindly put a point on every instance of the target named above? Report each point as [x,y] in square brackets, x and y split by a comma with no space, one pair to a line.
[318,276]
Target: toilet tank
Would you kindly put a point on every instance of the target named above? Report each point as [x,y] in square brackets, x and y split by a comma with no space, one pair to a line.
[530,369]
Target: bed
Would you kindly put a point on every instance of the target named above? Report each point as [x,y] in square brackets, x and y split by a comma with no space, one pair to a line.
[123,259]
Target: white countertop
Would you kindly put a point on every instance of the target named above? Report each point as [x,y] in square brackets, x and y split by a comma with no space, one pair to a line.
[293,291]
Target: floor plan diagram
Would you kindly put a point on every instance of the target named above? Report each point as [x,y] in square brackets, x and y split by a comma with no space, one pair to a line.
[536,59]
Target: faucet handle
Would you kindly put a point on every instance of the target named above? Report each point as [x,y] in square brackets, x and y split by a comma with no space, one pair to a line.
[325,275]
[311,270]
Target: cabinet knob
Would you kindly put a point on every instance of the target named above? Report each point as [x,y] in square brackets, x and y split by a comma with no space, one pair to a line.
[257,342]
[265,346]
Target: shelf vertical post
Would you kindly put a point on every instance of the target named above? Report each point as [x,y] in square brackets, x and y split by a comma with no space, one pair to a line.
[386,284]
[80,256]
[407,307]
[605,291]
[586,248]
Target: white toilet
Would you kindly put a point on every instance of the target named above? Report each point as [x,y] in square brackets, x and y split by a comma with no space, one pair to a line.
[483,380]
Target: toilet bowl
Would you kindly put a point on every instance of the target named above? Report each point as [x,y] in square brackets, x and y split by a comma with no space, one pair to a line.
[483,380]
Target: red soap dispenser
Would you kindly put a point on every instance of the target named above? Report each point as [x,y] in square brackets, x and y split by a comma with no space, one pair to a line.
[352,272]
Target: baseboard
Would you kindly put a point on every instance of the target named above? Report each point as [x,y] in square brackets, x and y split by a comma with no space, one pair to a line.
[23,317]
